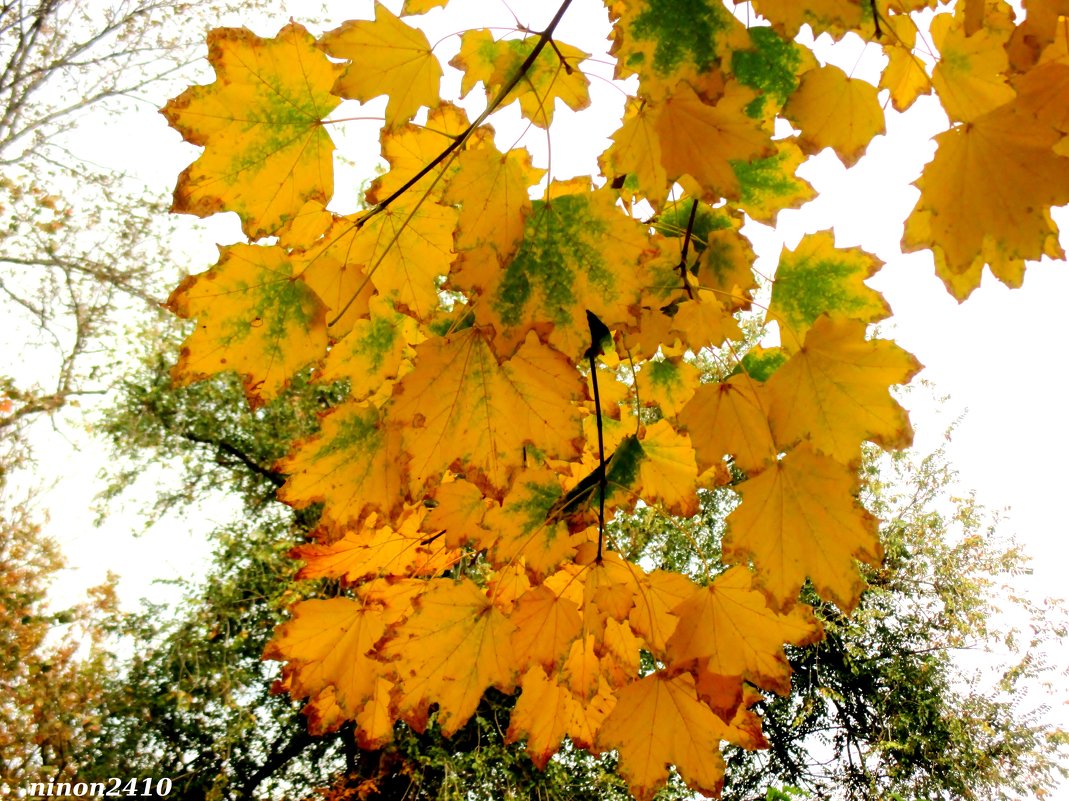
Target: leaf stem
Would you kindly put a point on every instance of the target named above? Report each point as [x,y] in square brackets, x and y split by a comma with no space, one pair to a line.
[684,271]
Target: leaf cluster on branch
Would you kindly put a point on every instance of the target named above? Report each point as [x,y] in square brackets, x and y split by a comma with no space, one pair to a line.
[527,356]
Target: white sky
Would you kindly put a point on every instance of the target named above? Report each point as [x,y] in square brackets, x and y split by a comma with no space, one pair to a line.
[993,356]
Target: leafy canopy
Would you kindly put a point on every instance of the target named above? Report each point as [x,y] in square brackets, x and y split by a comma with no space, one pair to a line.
[530,354]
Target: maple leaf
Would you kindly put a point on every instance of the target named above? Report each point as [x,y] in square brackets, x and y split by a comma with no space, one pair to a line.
[660,721]
[329,645]
[729,624]
[266,151]
[253,316]
[969,75]
[816,278]
[349,466]
[554,74]
[453,647]
[460,407]
[798,518]
[703,140]
[387,57]
[988,191]
[837,111]
[730,418]
[835,391]
[579,253]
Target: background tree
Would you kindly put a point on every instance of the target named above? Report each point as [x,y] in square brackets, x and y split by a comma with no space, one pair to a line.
[53,662]
[883,705]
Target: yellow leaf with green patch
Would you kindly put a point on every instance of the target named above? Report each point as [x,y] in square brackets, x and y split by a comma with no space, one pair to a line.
[817,278]
[554,74]
[579,252]
[371,354]
[769,185]
[667,383]
[265,151]
[664,41]
[704,140]
[254,316]
[351,467]
[522,530]
[970,74]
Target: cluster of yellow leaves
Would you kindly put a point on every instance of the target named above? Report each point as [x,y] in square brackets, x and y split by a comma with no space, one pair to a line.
[462,481]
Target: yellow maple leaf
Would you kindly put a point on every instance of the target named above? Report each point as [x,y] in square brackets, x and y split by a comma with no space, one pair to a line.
[491,190]
[667,471]
[730,624]
[548,711]
[831,16]
[652,617]
[836,111]
[420,6]
[377,548]
[989,190]
[799,518]
[553,75]
[329,647]
[520,530]
[410,148]
[660,721]
[350,467]
[460,407]
[667,383]
[449,652]
[702,140]
[328,265]
[373,352]
[546,625]
[635,155]
[970,74]
[835,391]
[580,252]
[905,77]
[387,57]
[405,249]
[254,316]
[266,151]
[730,418]
[817,278]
